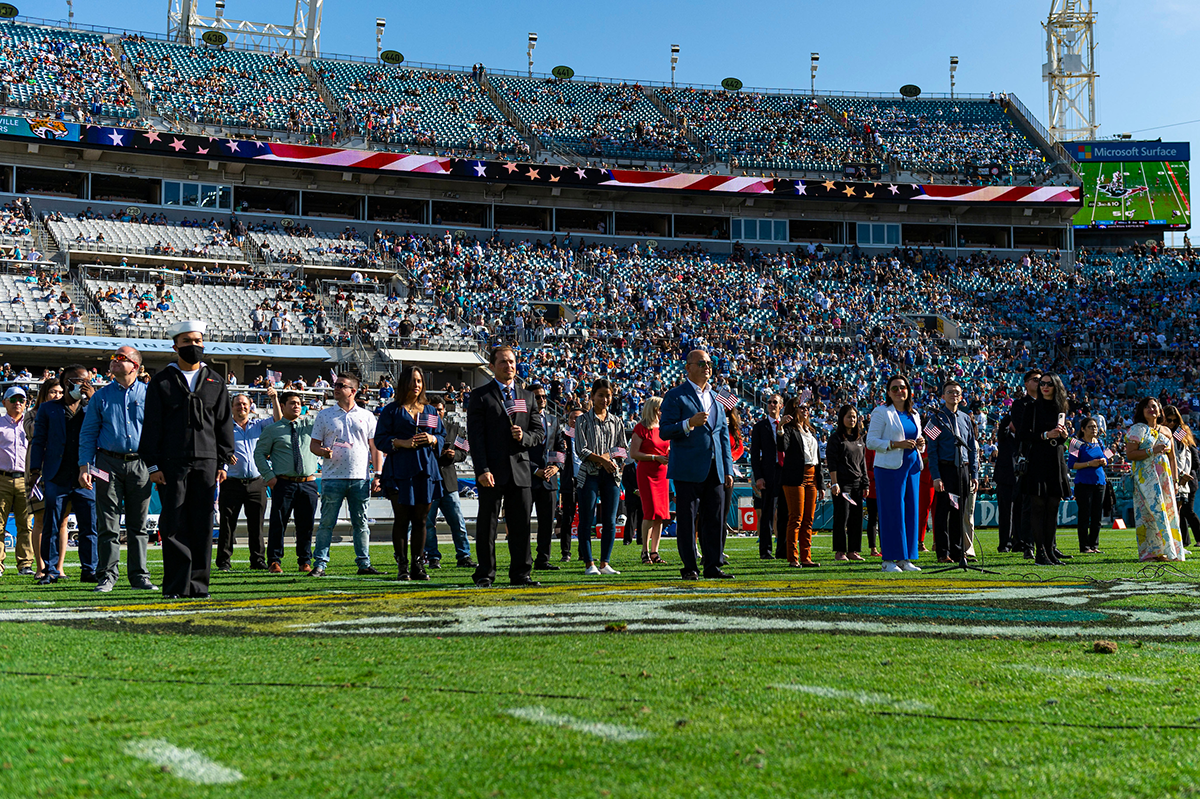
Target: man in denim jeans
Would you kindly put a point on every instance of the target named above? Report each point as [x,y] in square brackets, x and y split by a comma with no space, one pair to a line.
[448,504]
[343,435]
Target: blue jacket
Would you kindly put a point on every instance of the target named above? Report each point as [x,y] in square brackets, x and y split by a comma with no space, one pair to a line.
[49,438]
[692,453]
[404,464]
[942,448]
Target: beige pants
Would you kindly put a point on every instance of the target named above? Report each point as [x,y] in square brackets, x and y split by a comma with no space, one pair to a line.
[13,500]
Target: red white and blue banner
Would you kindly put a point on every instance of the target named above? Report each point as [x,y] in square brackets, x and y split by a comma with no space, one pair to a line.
[155,142]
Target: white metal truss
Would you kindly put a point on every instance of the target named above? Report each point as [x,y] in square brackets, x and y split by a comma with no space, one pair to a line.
[302,37]
[1070,69]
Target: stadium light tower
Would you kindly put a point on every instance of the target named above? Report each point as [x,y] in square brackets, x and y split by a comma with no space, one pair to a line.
[70,14]
[1070,69]
[812,73]
[220,11]
[380,24]
[674,61]
[953,69]
[529,52]
[302,37]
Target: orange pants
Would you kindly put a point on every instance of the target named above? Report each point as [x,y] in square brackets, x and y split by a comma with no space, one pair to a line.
[802,504]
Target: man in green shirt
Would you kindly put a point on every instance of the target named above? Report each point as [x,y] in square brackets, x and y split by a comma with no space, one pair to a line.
[290,470]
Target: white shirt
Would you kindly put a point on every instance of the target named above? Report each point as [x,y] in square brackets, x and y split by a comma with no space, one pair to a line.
[348,434]
[191,376]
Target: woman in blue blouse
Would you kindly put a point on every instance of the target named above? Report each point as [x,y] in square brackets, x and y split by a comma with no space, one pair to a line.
[1087,460]
[411,433]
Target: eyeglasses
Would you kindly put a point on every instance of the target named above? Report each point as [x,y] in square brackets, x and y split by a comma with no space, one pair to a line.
[701,364]
[121,357]
[346,386]
[16,399]
[1047,383]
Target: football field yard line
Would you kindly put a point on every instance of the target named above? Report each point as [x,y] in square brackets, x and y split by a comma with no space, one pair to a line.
[861,697]
[1149,192]
[187,764]
[609,732]
[1096,196]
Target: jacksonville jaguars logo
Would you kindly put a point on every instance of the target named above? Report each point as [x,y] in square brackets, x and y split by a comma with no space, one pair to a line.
[49,128]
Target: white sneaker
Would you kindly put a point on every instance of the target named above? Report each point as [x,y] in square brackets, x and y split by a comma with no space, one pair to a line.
[608,570]
[890,566]
[909,567]
[591,569]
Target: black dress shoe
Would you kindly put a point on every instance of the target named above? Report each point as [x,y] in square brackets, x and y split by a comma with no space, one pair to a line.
[1029,554]
[403,576]
[88,578]
[718,574]
[170,596]
[1004,549]
[467,563]
[1061,556]
[525,583]
[317,572]
[418,574]
[767,556]
[49,579]
[484,583]
[546,567]
[370,570]
[435,563]
[258,567]
[225,568]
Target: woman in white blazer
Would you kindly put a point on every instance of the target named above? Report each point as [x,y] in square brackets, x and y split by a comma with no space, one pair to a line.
[895,435]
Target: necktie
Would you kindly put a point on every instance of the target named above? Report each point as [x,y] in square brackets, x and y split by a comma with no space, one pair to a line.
[297,461]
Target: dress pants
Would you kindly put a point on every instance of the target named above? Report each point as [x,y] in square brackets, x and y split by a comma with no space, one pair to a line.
[1043,523]
[83,505]
[237,493]
[292,501]
[1089,499]
[947,519]
[14,500]
[517,503]
[126,489]
[847,521]
[1004,511]
[802,507]
[872,520]
[567,514]
[1023,533]
[698,506]
[186,524]
[545,503]
[768,504]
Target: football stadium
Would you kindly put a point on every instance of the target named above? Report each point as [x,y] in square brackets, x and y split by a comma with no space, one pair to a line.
[387,428]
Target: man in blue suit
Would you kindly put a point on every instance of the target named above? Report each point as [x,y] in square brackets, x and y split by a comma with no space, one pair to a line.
[53,455]
[700,464]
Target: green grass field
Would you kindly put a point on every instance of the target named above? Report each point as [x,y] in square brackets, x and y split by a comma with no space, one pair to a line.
[839,681]
[1167,198]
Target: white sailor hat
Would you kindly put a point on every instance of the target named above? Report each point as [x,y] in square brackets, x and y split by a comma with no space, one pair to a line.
[186,326]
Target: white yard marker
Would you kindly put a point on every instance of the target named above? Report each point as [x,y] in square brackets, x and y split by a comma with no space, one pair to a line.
[187,764]
[862,697]
[609,732]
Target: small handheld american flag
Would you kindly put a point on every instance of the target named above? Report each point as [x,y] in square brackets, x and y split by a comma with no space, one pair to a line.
[462,444]
[274,377]
[1074,446]
[569,432]
[848,498]
[1180,433]
[932,432]
[558,457]
[953,500]
[728,401]
[1108,453]
[428,420]
[805,395]
[514,406]
[333,375]
[618,452]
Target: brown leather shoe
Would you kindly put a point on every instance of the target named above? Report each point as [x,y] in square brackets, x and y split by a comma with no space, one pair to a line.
[305,568]
[275,568]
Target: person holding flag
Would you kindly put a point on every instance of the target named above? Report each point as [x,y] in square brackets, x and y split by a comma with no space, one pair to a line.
[1087,460]
[411,432]
[455,449]
[801,479]
[846,455]
[954,468]
[603,449]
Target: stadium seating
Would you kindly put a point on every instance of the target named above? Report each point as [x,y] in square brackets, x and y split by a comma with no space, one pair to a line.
[103,235]
[765,131]
[418,107]
[317,249]
[57,70]
[233,88]
[29,314]
[605,120]
[944,136]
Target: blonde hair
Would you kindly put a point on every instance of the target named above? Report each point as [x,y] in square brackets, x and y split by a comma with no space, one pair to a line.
[650,411]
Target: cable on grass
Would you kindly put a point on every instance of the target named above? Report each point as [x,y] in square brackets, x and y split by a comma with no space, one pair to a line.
[1035,722]
[346,685]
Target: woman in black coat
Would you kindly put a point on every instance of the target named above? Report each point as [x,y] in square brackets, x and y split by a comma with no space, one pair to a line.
[1043,436]
[846,456]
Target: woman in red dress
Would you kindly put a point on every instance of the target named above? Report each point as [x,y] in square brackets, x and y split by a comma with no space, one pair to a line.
[649,450]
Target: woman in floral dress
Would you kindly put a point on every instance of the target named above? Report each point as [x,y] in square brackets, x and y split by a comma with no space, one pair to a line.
[1148,447]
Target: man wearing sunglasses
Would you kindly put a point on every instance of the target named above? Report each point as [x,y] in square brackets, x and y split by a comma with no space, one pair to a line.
[13,443]
[110,465]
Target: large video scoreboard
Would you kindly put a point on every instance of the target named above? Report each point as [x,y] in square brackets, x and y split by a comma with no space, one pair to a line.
[1133,184]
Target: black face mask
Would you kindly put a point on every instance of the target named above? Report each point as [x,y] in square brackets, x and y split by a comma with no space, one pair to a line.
[191,353]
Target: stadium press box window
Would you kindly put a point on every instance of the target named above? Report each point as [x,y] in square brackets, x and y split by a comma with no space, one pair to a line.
[879,235]
[759,229]
[197,195]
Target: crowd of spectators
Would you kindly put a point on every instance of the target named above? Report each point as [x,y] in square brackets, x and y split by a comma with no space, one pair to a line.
[69,75]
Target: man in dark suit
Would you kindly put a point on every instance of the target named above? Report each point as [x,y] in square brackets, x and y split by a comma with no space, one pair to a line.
[545,462]
[566,486]
[448,503]
[1005,477]
[700,463]
[954,468]
[187,439]
[54,455]
[500,435]
[1022,531]
[764,463]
